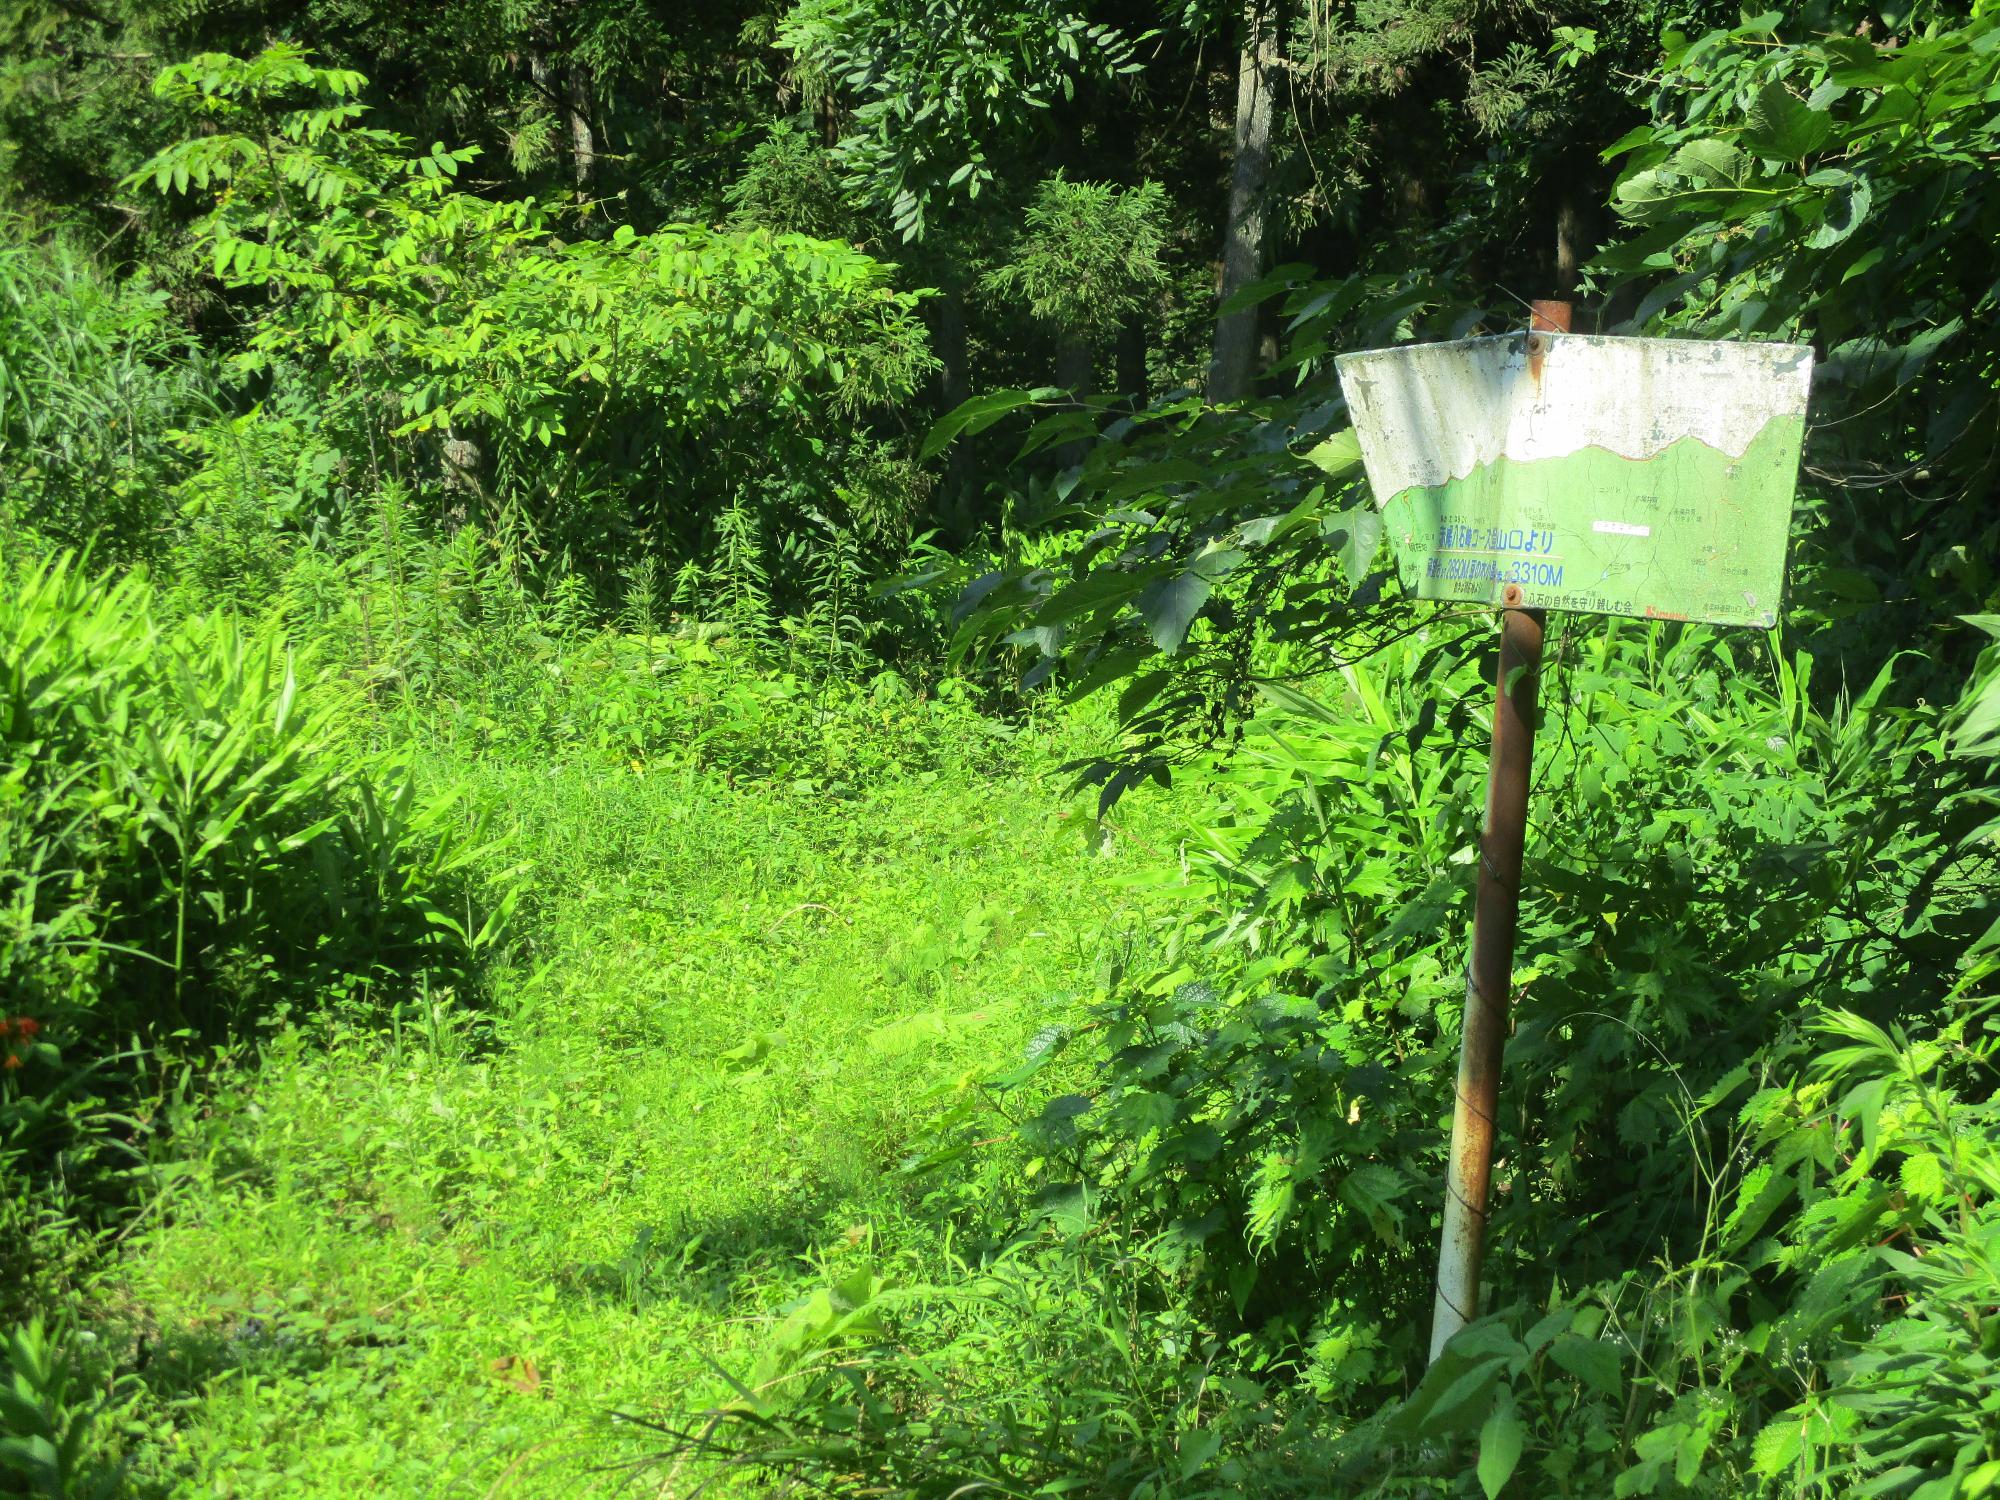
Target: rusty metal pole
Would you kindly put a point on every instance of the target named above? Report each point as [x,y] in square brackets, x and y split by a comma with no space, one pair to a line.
[1489,976]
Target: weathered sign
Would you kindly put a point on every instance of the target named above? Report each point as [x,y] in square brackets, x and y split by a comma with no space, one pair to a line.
[1618,476]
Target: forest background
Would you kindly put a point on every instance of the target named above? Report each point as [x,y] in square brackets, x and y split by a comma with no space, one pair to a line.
[551,551]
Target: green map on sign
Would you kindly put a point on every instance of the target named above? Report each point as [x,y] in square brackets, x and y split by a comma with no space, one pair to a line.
[1613,476]
[1690,532]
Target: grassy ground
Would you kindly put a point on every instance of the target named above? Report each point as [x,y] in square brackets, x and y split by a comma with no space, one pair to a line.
[437,1260]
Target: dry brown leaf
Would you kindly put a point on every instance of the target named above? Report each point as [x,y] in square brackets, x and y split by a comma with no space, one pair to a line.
[518,1371]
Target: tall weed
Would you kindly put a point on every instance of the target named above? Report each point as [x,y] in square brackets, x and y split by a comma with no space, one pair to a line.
[94,375]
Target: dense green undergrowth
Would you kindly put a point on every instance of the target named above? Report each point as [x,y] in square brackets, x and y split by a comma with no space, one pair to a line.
[1718,1073]
[447,1251]
[260,879]
[640,1104]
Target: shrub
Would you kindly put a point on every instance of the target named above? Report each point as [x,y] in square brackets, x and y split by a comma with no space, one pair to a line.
[607,399]
[193,844]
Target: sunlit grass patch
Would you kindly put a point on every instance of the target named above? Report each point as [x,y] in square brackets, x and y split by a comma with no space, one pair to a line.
[436,1256]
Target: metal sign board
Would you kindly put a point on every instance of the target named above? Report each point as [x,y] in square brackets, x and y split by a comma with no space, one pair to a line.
[1619,476]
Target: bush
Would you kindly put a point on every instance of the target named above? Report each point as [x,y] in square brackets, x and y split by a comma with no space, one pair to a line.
[611,400]
[193,844]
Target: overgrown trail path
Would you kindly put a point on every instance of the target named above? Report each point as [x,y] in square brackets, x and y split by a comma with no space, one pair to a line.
[435,1261]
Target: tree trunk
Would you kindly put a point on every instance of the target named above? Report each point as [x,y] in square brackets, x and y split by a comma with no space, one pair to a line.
[1132,382]
[583,144]
[1573,241]
[1233,364]
[954,376]
[1076,369]
[464,463]
[1076,362]
[947,321]
[538,70]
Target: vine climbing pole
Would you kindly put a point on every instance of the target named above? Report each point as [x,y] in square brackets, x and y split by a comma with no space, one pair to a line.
[1495,916]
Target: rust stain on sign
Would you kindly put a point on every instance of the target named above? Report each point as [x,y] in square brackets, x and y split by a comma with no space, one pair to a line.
[1543,317]
[1546,316]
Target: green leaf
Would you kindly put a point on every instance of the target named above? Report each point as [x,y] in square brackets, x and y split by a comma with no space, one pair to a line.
[1197,1449]
[1362,528]
[1339,454]
[1140,1112]
[1372,1189]
[1501,1440]
[1140,692]
[1846,207]
[976,416]
[1169,606]
[1783,128]
[1452,1405]
[751,1052]
[1713,163]
[1923,1177]
[1762,1193]
[1086,596]
[1591,1361]
[1631,140]
[1779,1445]
[1280,280]
[1976,727]
[1288,697]
[1645,195]
[1688,1454]
[1043,1047]
[901,1037]
[1108,668]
